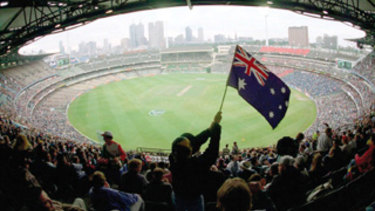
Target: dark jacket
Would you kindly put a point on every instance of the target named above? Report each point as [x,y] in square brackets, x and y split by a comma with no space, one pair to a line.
[288,189]
[133,182]
[158,191]
[190,175]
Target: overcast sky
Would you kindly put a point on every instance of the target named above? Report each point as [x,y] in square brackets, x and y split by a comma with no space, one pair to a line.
[227,20]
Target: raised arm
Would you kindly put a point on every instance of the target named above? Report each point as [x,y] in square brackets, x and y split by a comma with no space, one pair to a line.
[212,152]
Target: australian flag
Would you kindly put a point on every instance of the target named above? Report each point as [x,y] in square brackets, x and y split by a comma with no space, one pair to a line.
[259,87]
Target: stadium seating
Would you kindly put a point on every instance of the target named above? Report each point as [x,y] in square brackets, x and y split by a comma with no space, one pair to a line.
[34,98]
[280,50]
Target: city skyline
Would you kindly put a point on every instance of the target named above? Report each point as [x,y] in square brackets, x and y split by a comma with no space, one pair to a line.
[209,18]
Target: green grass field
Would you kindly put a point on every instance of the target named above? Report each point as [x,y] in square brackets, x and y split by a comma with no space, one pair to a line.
[153,111]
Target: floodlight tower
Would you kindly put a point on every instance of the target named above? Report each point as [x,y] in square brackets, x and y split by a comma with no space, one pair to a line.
[266,12]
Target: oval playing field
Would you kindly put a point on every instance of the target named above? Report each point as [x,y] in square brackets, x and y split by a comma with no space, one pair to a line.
[153,111]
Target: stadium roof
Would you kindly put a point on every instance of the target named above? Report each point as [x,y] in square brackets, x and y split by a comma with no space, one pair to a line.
[24,21]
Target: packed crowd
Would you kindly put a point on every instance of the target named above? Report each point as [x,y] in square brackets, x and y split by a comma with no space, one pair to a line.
[366,67]
[22,90]
[186,57]
[41,171]
[45,172]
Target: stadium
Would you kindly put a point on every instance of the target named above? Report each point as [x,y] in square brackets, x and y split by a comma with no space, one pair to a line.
[55,108]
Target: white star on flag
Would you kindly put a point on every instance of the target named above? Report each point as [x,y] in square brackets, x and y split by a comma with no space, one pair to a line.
[241,84]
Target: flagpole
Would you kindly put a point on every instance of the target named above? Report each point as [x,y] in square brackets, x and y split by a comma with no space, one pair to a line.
[226,85]
[222,100]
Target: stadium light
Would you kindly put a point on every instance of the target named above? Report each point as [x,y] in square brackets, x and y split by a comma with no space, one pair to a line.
[4,3]
[50,3]
[73,26]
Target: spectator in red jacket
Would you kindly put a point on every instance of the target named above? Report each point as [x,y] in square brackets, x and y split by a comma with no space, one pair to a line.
[366,161]
[111,149]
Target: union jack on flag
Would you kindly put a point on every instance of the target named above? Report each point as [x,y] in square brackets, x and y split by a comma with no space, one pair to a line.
[251,65]
[259,87]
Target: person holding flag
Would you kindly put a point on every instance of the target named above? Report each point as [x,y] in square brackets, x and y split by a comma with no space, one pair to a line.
[262,89]
[190,172]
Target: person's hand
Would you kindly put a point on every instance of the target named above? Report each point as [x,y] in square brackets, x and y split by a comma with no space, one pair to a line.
[217,117]
[46,201]
[106,184]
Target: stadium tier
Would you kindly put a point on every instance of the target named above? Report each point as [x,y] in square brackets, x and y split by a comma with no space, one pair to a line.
[28,88]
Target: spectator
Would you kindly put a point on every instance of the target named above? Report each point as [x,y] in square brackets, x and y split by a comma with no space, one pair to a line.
[157,190]
[335,158]
[260,199]
[66,177]
[150,171]
[286,146]
[287,190]
[133,181]
[272,172]
[234,195]
[226,150]
[235,149]
[297,141]
[105,198]
[78,167]
[366,161]
[221,165]
[111,149]
[214,180]
[325,141]
[189,173]
[316,171]
[113,154]
[245,170]
[234,166]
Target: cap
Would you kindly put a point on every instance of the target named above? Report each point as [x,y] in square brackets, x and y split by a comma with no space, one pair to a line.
[246,165]
[107,134]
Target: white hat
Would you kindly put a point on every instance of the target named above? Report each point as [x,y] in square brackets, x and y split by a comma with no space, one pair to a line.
[286,160]
[246,165]
[107,134]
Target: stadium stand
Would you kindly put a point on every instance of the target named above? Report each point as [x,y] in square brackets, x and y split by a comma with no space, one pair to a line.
[278,50]
[45,160]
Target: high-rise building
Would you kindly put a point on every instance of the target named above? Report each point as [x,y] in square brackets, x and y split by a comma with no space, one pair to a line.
[125,43]
[61,47]
[220,38]
[188,34]
[106,46]
[200,34]
[156,35]
[298,36]
[327,41]
[137,35]
[179,39]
